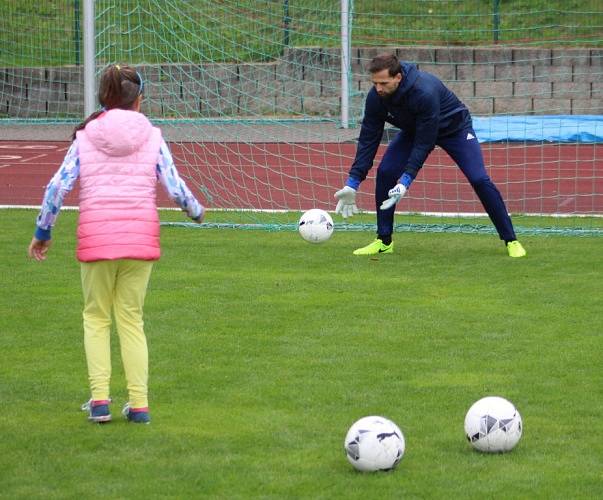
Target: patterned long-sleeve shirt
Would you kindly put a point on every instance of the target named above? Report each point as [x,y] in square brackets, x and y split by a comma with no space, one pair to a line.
[64,180]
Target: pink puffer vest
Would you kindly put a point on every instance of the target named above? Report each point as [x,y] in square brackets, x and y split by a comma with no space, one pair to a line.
[118,219]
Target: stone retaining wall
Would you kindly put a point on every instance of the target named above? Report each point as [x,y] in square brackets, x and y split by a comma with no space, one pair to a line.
[306,81]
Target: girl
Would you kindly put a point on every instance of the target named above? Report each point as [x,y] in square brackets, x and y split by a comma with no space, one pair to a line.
[118,156]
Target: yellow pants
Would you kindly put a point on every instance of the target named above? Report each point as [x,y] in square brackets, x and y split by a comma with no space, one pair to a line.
[119,286]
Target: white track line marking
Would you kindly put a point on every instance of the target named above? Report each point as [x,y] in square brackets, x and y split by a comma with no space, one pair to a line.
[27,160]
[29,147]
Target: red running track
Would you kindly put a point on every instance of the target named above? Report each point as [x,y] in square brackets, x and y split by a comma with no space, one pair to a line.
[533,178]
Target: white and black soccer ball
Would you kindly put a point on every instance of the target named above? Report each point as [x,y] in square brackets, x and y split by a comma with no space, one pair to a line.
[315,226]
[374,443]
[493,425]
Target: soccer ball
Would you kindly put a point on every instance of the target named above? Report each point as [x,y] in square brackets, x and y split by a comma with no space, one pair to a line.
[374,443]
[493,425]
[315,226]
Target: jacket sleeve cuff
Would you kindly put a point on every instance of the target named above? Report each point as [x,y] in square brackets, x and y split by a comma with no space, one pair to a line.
[42,234]
[411,171]
[406,180]
[353,183]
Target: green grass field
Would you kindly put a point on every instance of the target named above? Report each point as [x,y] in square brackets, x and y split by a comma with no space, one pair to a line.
[265,349]
[46,33]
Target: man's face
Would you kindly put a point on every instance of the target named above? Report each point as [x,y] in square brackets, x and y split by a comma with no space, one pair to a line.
[385,85]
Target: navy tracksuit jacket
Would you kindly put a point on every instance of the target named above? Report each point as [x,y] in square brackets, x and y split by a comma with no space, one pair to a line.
[427,114]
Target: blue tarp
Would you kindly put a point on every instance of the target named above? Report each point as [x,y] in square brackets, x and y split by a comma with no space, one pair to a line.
[548,128]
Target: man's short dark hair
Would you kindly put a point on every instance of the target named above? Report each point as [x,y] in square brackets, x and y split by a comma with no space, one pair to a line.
[385,61]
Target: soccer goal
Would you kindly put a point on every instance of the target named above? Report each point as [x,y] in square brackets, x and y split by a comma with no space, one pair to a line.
[261,101]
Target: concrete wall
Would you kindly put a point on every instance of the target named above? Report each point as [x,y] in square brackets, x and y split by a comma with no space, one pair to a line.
[41,92]
[306,81]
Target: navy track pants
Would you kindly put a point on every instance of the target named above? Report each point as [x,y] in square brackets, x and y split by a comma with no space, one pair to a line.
[467,154]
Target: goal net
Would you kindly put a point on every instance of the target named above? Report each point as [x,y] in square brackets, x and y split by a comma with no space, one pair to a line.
[249,95]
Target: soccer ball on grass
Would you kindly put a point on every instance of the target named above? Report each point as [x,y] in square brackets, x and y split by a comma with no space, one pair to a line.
[493,425]
[374,443]
[315,226]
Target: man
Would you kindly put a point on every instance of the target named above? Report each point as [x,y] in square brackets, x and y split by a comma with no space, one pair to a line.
[427,114]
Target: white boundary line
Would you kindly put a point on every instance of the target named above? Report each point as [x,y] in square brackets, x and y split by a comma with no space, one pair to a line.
[270,211]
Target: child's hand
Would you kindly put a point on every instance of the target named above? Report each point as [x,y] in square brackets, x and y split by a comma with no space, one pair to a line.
[201,216]
[38,248]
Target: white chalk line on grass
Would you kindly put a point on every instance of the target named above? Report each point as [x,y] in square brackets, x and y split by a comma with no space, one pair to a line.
[274,211]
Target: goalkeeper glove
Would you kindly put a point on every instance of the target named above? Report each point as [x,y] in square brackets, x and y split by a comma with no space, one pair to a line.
[346,206]
[397,192]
